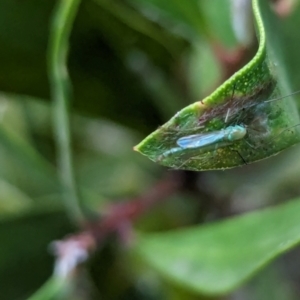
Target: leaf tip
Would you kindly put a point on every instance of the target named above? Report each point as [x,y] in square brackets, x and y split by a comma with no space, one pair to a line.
[137,148]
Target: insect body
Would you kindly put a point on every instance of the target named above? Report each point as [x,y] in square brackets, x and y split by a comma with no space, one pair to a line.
[265,128]
[197,141]
[228,134]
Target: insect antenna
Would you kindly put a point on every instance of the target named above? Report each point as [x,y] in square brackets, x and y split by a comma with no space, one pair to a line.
[282,97]
[227,115]
[228,110]
[266,101]
[284,130]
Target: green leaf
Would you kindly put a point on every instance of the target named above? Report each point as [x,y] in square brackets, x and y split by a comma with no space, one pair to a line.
[195,19]
[216,258]
[240,101]
[33,171]
[53,289]
[183,13]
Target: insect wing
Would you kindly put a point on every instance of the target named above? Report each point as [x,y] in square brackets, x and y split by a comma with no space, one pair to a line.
[200,140]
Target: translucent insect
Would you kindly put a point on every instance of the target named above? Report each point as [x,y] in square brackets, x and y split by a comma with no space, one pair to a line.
[228,134]
[251,122]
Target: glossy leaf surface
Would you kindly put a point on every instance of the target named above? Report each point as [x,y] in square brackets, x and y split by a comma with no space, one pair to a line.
[216,258]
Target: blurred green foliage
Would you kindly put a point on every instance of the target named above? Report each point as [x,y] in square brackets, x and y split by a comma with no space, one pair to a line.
[133,64]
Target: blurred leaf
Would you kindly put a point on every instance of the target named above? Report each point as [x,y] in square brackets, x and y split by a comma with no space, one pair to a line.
[193,19]
[101,43]
[205,71]
[25,263]
[185,13]
[216,258]
[53,289]
[283,43]
[263,128]
[12,200]
[220,24]
[32,169]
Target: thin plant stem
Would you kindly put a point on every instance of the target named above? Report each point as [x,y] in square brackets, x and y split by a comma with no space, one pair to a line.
[60,30]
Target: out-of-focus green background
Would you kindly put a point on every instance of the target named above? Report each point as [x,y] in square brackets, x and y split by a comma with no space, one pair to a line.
[133,65]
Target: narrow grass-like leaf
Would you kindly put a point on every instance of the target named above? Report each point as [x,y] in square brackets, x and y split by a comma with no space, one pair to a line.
[37,167]
[62,22]
[53,289]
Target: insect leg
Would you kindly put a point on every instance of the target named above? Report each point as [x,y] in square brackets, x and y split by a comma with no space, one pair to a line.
[227,115]
[240,155]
